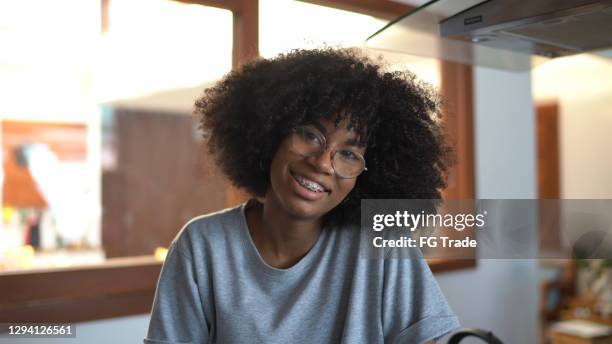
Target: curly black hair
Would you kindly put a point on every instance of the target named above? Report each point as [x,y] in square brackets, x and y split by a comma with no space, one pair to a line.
[247,114]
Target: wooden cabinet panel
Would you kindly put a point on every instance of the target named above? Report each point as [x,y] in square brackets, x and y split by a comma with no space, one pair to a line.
[161,179]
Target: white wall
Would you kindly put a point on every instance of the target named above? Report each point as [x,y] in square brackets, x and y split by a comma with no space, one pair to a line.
[581,86]
[500,295]
[586,146]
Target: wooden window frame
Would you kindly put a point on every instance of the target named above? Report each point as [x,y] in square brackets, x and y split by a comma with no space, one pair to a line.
[125,286]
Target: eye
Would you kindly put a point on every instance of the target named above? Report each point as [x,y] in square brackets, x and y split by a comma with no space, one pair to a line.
[348,155]
[311,135]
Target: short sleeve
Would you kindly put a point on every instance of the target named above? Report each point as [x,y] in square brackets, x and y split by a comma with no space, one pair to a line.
[414,308]
[177,315]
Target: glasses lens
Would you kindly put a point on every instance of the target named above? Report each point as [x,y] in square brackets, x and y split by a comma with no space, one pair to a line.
[307,140]
[348,163]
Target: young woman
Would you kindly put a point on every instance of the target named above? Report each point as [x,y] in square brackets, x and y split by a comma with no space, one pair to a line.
[308,134]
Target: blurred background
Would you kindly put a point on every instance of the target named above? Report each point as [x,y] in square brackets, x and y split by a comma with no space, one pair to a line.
[102,161]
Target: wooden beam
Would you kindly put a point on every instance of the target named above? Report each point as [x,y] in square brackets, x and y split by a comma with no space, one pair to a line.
[120,287]
[245,49]
[72,309]
[231,5]
[104,15]
[456,89]
[443,265]
[245,27]
[378,8]
[246,32]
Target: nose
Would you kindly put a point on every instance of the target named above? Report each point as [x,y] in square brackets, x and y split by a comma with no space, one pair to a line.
[322,162]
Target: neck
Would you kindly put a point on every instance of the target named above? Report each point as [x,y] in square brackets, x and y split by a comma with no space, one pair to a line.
[281,239]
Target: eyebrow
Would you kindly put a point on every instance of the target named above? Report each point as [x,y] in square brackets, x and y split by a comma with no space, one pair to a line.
[355,142]
[350,142]
[320,126]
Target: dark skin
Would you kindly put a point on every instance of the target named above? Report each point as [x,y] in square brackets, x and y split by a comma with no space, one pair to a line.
[287,223]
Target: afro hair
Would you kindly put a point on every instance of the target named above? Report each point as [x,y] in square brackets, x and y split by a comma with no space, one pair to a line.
[247,114]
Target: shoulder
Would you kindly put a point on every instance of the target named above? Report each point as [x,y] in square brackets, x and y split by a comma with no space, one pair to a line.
[209,224]
[208,230]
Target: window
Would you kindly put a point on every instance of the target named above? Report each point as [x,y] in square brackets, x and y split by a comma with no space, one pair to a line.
[73,125]
[142,74]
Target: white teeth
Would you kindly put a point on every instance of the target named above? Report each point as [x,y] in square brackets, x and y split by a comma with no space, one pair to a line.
[309,184]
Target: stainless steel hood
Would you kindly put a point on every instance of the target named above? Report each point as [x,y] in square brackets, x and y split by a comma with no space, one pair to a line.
[506,34]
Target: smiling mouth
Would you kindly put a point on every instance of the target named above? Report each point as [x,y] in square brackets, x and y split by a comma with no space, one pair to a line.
[307,183]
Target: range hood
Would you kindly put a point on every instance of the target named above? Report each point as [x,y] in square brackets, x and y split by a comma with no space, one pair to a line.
[507,34]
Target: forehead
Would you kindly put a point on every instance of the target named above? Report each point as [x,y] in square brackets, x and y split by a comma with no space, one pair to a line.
[337,123]
[330,125]
[335,128]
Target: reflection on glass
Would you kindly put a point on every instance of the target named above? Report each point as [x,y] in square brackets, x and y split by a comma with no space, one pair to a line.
[419,33]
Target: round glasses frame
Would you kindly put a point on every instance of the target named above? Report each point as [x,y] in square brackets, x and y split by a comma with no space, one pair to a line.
[300,133]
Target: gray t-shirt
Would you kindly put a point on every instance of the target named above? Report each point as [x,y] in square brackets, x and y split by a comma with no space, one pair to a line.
[215,288]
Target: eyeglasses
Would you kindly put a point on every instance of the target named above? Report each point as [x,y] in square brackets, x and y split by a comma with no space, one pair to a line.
[306,140]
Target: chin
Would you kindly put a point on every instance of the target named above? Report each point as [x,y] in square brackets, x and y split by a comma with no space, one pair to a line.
[303,209]
[300,208]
